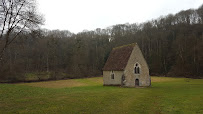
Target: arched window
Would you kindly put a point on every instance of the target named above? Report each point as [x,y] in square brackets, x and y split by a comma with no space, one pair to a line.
[137,68]
[112,75]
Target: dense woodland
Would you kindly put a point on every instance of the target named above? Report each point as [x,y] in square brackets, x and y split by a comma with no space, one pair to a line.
[172,46]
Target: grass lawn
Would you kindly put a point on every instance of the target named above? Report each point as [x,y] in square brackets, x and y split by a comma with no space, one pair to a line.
[166,95]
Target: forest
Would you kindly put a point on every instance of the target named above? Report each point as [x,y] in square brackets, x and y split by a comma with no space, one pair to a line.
[172,46]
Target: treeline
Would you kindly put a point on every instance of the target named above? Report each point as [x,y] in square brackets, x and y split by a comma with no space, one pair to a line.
[172,46]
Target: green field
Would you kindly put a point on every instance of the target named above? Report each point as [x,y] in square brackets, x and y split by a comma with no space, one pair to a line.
[166,95]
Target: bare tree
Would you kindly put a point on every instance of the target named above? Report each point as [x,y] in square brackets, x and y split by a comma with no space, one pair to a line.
[16,16]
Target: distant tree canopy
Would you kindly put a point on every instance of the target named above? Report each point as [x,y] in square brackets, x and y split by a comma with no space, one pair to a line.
[172,46]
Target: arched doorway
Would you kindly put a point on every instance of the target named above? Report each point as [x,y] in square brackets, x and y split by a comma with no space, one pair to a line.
[137,82]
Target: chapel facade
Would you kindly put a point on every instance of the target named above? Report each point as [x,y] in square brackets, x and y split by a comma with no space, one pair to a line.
[126,67]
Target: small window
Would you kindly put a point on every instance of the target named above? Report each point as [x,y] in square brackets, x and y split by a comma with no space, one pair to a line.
[112,75]
[137,69]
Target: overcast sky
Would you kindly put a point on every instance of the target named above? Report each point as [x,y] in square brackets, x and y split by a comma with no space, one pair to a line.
[79,15]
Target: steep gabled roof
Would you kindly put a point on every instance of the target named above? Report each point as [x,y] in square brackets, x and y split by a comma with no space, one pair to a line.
[118,58]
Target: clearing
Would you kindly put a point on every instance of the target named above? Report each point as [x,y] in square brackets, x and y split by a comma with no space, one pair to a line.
[166,95]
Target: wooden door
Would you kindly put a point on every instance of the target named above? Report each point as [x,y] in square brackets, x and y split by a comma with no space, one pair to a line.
[137,82]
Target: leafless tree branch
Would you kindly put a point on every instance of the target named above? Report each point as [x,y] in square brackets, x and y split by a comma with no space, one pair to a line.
[15,17]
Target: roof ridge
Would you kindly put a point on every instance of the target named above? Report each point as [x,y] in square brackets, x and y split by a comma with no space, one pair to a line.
[132,44]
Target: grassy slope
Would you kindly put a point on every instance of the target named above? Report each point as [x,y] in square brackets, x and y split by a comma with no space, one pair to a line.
[167,95]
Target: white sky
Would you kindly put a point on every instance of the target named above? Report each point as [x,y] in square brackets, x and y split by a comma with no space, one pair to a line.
[79,15]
